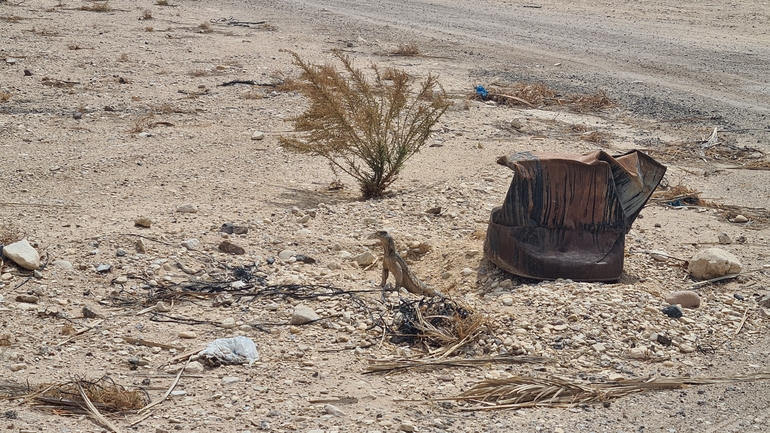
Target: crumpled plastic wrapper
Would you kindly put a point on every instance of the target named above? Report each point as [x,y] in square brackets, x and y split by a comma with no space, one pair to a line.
[233,350]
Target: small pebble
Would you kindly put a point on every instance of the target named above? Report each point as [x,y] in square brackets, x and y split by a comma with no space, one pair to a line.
[188,334]
[740,219]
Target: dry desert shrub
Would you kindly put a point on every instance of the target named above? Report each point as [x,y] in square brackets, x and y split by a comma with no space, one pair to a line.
[4,96]
[362,124]
[406,50]
[97,6]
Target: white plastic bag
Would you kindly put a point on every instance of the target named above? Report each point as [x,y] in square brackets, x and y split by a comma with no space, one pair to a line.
[234,350]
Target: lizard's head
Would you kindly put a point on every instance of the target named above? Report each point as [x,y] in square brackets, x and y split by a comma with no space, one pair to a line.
[382,235]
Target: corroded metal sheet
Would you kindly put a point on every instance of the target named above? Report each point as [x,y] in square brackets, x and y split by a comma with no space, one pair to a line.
[566,216]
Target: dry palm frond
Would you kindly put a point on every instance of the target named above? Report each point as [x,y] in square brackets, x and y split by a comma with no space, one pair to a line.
[104,394]
[525,391]
[382,366]
[441,324]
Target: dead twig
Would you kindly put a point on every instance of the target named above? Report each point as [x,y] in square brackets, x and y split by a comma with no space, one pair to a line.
[384,366]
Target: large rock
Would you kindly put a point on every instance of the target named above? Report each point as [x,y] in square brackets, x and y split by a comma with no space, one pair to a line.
[23,254]
[303,315]
[685,298]
[365,259]
[713,263]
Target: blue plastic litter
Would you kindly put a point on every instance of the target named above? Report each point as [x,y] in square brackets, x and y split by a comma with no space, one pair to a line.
[481,91]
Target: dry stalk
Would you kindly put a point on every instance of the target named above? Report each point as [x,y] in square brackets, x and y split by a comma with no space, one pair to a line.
[552,391]
[384,366]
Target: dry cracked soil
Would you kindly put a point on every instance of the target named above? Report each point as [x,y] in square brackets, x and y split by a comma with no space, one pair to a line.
[112,111]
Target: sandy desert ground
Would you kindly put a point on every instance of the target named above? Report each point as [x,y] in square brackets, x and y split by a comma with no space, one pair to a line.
[111,111]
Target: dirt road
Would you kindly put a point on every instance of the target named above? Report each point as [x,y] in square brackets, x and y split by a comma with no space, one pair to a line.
[687,58]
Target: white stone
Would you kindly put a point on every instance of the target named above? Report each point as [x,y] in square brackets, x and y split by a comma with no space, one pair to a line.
[187,208]
[194,367]
[17,367]
[191,244]
[188,334]
[23,254]
[740,219]
[64,264]
[228,380]
[638,353]
[333,410]
[257,135]
[712,263]
[685,298]
[286,254]
[507,301]
[365,259]
[302,315]
[466,272]
[599,347]
[228,323]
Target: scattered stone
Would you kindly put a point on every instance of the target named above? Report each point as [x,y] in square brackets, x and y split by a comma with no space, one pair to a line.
[232,229]
[333,410]
[365,259]
[638,353]
[143,222]
[140,246]
[194,367]
[228,323]
[229,380]
[178,393]
[187,208]
[663,339]
[434,210]
[303,315]
[286,254]
[89,312]
[17,367]
[686,348]
[191,244]
[466,272]
[672,311]
[507,301]
[188,334]
[257,135]
[599,347]
[713,262]
[406,426]
[685,298]
[764,301]
[23,254]
[120,252]
[162,307]
[102,269]
[27,299]
[740,219]
[724,238]
[64,264]
[231,248]
[739,297]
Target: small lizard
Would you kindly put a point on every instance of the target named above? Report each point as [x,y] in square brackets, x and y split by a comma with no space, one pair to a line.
[392,262]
